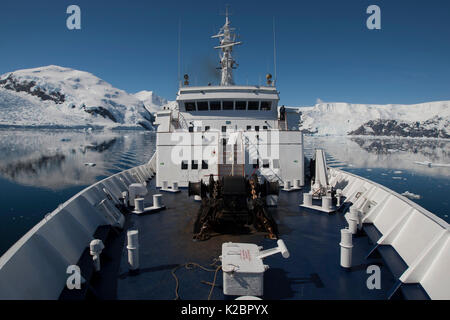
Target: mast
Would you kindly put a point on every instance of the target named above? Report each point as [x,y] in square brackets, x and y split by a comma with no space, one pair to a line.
[227,42]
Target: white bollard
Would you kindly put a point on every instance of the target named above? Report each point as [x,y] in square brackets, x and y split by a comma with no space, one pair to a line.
[165,184]
[138,205]
[287,184]
[327,203]
[338,197]
[296,183]
[352,226]
[307,199]
[125,198]
[96,247]
[353,219]
[346,248]
[157,200]
[175,186]
[133,249]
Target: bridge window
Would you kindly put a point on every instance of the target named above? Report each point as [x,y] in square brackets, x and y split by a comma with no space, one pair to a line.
[224,128]
[265,163]
[227,105]
[184,165]
[265,127]
[266,105]
[190,106]
[249,127]
[256,128]
[194,165]
[255,164]
[202,105]
[207,128]
[214,105]
[253,105]
[241,105]
[205,164]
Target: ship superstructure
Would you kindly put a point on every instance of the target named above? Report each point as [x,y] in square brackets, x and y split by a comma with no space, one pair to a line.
[227,129]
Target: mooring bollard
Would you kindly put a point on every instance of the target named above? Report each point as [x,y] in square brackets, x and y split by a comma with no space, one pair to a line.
[138,205]
[287,184]
[353,220]
[346,248]
[157,200]
[338,197]
[133,249]
[327,203]
[307,199]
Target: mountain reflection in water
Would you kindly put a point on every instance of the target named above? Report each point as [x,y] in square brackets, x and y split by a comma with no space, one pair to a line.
[56,159]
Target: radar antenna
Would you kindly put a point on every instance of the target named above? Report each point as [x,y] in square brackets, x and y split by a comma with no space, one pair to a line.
[227,42]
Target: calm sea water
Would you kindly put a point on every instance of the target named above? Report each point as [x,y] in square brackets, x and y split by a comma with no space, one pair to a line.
[41,169]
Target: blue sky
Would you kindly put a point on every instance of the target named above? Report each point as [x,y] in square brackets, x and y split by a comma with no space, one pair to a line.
[324,49]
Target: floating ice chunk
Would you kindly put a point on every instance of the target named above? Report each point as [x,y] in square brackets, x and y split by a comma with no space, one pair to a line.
[398,172]
[397,178]
[411,195]
[90,164]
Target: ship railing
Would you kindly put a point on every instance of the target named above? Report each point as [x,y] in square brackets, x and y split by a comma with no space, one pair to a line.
[419,239]
[36,266]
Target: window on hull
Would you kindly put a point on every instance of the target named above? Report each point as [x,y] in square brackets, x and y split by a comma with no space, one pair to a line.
[184,165]
[205,164]
[194,165]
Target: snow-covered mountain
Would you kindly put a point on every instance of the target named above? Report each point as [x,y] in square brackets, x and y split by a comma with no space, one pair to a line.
[430,119]
[151,101]
[55,96]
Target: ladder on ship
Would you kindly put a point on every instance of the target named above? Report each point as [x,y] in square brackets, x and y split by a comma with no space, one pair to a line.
[228,165]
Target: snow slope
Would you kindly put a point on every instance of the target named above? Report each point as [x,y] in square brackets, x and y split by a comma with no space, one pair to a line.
[54,96]
[151,101]
[430,119]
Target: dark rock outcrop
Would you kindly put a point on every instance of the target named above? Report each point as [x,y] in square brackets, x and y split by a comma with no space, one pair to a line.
[11,83]
[105,113]
[380,127]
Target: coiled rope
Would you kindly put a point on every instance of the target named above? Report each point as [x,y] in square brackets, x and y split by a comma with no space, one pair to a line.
[191,266]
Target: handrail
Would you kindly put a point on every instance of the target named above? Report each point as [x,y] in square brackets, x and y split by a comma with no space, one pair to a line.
[414,205]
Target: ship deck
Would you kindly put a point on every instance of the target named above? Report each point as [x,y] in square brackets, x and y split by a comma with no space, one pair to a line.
[165,242]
